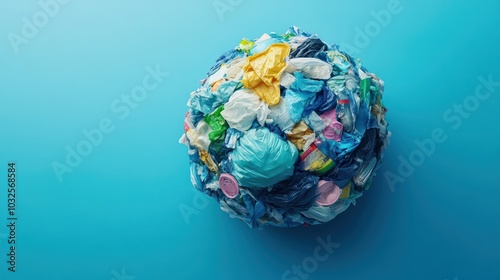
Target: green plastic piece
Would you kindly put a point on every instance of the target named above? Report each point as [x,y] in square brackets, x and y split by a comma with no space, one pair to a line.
[217,123]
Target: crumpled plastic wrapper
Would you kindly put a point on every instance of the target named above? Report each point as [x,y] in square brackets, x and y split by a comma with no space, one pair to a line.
[286,130]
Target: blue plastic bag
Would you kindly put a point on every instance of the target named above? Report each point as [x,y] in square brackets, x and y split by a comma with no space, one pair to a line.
[301,92]
[298,192]
[262,159]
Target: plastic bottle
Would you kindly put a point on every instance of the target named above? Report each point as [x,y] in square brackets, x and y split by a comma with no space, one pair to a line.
[365,172]
[344,114]
[365,90]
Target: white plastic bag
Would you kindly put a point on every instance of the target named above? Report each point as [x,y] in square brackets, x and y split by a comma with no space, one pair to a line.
[312,68]
[280,116]
[243,107]
[287,79]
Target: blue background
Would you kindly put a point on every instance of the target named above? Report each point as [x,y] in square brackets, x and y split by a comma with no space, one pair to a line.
[117,213]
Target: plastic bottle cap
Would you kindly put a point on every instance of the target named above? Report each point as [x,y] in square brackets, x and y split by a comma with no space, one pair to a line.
[229,185]
[328,193]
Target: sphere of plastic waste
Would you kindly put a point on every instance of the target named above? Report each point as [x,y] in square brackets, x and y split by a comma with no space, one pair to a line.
[286,130]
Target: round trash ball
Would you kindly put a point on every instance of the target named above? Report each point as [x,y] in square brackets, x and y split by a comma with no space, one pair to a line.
[285,130]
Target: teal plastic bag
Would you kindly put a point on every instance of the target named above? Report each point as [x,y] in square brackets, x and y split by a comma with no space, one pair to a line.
[262,159]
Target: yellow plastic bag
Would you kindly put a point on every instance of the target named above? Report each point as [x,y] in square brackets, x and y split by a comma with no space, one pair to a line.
[263,71]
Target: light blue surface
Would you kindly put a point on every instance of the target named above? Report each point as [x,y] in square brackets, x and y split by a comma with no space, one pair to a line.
[118,213]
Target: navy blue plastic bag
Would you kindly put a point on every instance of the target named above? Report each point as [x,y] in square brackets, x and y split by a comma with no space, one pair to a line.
[298,192]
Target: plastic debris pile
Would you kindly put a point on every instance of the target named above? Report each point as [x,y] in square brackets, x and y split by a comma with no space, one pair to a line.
[285,130]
